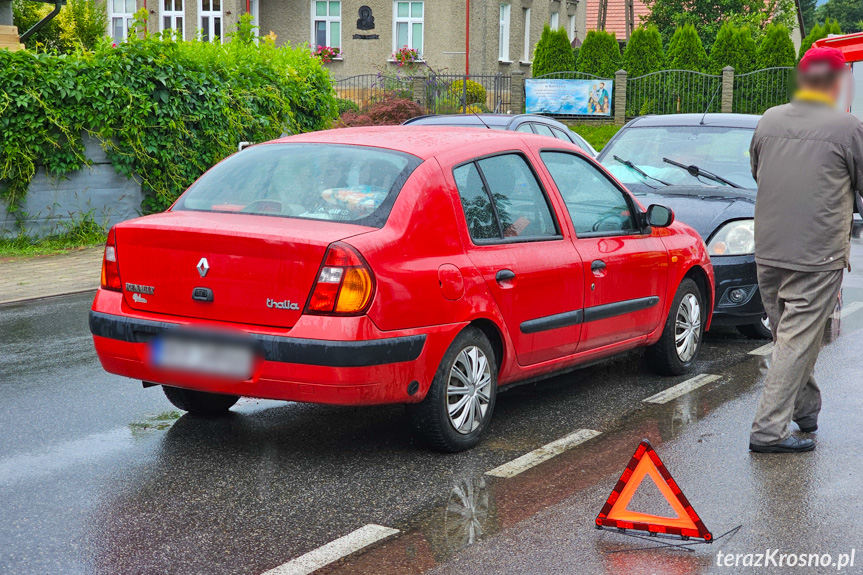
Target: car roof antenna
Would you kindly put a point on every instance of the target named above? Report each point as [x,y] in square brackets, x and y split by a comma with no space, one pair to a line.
[718,88]
[481,120]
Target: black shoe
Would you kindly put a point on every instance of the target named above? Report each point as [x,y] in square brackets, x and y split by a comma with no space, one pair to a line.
[789,445]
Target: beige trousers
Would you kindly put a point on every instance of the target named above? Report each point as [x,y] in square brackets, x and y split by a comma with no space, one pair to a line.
[798,305]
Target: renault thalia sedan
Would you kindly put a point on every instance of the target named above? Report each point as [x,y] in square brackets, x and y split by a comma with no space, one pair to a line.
[415,265]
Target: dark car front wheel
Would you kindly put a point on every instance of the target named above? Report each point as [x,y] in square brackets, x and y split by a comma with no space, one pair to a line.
[199,402]
[460,401]
[759,330]
[678,347]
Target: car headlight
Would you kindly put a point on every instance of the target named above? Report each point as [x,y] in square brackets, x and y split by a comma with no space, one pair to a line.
[735,238]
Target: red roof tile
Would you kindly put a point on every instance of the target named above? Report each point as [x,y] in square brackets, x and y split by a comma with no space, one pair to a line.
[615,18]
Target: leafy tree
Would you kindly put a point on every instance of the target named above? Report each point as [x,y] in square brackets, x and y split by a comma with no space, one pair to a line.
[599,54]
[553,53]
[643,53]
[685,51]
[82,24]
[807,10]
[776,48]
[733,47]
[847,14]
[709,15]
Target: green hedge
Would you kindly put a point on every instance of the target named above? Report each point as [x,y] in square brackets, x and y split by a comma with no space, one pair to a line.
[553,53]
[165,110]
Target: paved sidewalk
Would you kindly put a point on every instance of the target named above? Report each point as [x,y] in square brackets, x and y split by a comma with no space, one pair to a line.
[45,276]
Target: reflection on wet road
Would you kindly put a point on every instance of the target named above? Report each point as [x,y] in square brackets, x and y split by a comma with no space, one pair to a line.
[98,475]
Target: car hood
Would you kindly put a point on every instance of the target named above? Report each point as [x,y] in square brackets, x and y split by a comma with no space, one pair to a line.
[705,208]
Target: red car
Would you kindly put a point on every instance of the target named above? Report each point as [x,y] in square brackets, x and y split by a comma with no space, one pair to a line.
[415,265]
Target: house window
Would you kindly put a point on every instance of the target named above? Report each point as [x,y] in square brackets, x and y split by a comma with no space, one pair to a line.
[172,16]
[572,27]
[327,23]
[121,17]
[526,56]
[503,42]
[554,21]
[408,21]
[210,19]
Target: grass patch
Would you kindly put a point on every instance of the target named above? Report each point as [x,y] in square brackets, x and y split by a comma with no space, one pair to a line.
[598,136]
[82,233]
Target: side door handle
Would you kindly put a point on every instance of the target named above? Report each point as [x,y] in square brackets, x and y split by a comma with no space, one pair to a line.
[597,266]
[504,276]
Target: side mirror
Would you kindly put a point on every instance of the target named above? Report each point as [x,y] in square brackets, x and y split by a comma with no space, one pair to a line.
[659,216]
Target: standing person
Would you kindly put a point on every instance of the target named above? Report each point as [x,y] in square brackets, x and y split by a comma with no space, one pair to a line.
[807,158]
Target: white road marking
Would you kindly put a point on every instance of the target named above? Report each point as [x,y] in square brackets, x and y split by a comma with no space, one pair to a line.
[851,308]
[334,550]
[763,350]
[667,395]
[544,453]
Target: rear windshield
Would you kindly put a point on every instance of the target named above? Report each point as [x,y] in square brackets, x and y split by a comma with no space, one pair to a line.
[310,181]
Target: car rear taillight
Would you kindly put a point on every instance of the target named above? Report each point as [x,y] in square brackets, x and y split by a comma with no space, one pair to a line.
[344,284]
[110,265]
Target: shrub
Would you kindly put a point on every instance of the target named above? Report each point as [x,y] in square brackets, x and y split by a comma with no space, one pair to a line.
[82,24]
[776,48]
[553,53]
[475,91]
[599,54]
[643,53]
[25,13]
[344,105]
[387,112]
[164,110]
[685,50]
[733,47]
[818,32]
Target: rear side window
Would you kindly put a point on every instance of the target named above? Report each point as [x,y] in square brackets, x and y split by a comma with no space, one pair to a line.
[543,130]
[524,128]
[560,135]
[333,182]
[502,199]
[595,205]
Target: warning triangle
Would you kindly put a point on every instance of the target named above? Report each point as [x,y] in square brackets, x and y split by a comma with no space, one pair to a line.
[645,463]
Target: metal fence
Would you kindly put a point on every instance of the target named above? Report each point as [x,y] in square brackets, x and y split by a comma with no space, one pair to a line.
[366,89]
[756,91]
[673,92]
[438,93]
[450,94]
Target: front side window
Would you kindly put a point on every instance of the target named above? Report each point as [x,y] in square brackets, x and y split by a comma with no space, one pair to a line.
[502,199]
[595,205]
[503,42]
[327,23]
[210,20]
[172,16]
[331,182]
[121,18]
[408,25]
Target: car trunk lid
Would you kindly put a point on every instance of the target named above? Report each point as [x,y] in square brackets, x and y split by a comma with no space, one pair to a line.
[258,269]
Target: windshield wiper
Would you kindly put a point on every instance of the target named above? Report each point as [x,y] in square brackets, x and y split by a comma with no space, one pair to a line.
[695,172]
[638,170]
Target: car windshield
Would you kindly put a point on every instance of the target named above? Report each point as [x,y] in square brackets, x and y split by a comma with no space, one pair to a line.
[310,181]
[723,151]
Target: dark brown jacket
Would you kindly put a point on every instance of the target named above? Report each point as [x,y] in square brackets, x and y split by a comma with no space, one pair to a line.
[807,158]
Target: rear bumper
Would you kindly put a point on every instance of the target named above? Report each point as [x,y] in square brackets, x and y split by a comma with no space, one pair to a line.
[736,272]
[371,368]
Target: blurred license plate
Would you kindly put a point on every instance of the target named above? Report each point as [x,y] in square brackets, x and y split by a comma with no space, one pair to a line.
[211,357]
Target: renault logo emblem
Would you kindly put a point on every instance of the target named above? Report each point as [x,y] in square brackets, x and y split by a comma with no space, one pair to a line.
[203,267]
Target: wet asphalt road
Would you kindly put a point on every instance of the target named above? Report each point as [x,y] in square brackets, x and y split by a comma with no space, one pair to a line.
[98,475]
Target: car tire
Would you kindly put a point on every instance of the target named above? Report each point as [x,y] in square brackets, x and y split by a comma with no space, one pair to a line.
[199,402]
[759,330]
[436,419]
[673,354]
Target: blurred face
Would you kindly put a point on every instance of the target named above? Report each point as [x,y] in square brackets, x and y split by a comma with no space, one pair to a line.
[829,83]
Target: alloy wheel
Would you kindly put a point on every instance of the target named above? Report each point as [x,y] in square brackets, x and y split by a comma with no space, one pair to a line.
[687,332]
[468,390]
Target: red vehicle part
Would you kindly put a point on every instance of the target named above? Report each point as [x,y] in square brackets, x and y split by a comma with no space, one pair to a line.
[420,280]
